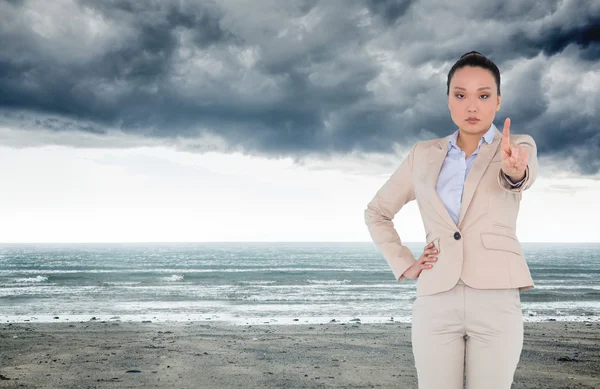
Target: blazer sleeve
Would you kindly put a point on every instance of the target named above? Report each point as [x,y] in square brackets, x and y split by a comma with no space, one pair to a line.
[389,199]
[527,142]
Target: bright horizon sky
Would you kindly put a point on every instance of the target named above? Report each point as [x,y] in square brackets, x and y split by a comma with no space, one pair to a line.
[156,194]
[182,121]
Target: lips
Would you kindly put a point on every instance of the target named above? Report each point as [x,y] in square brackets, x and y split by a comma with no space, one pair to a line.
[472,120]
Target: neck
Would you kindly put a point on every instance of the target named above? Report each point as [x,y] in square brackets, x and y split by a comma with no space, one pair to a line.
[468,142]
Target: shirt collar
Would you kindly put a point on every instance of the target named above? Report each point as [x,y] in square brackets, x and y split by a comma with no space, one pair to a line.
[488,137]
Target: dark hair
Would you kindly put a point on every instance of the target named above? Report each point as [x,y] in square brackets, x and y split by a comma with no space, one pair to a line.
[474,59]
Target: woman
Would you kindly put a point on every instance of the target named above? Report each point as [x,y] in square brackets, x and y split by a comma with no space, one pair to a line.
[467,319]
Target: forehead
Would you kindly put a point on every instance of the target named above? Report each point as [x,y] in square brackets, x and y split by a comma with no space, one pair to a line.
[475,77]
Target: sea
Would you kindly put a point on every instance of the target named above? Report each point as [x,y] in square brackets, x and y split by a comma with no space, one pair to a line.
[257,283]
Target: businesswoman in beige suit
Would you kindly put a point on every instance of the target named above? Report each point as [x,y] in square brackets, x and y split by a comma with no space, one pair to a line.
[466,318]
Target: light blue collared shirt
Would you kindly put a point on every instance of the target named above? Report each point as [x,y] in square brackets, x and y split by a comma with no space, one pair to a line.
[451,181]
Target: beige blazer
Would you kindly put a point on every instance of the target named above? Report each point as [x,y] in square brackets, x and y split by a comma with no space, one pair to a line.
[483,248]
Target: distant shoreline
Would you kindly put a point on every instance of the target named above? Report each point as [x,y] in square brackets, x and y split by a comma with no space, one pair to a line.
[257,242]
[207,319]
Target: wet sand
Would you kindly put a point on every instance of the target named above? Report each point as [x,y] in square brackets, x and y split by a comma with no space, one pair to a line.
[113,354]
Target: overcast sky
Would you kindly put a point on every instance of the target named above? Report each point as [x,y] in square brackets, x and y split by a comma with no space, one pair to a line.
[270,120]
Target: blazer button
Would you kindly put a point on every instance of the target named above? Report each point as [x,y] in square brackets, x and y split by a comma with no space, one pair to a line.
[457,235]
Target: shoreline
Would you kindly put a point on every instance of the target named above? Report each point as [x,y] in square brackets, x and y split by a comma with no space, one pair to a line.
[216,354]
[238,321]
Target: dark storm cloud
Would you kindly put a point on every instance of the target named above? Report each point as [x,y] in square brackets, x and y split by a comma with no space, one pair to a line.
[297,77]
[389,10]
[553,39]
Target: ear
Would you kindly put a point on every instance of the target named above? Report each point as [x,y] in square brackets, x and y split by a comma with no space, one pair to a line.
[499,103]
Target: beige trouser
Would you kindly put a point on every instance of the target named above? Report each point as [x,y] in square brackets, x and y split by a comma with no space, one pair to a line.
[466,332]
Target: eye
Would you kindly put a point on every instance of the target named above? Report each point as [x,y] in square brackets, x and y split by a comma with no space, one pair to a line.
[486,96]
[458,95]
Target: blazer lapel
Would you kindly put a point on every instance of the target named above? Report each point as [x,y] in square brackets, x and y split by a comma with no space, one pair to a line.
[437,154]
[482,161]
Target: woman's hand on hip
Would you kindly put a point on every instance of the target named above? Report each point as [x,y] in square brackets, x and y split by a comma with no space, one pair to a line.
[422,263]
[514,157]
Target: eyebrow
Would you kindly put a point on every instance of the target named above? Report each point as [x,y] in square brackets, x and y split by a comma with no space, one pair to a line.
[483,87]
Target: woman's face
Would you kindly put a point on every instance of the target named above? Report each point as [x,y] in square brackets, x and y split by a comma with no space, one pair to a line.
[473,94]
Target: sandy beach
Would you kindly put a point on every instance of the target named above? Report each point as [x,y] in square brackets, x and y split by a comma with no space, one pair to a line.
[113,354]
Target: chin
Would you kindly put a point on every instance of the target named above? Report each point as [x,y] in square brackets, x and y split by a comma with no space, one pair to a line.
[479,128]
[471,129]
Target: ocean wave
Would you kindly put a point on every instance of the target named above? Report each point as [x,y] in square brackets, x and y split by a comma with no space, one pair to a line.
[224,270]
[257,282]
[328,282]
[173,278]
[304,298]
[567,287]
[31,280]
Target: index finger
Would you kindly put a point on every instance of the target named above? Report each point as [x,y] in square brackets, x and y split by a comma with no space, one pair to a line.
[506,135]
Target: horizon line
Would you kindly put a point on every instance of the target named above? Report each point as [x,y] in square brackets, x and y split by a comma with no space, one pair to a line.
[256,241]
